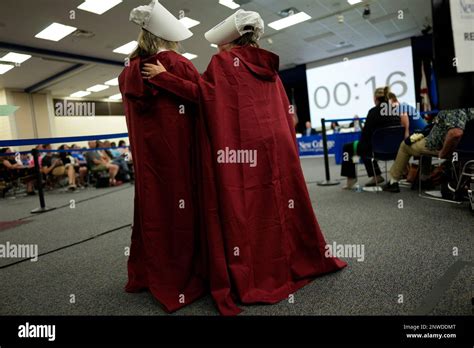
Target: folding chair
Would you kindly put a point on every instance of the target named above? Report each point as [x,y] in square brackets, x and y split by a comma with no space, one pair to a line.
[385,145]
[465,153]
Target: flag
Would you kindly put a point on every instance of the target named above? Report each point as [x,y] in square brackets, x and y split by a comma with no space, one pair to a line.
[433,88]
[424,93]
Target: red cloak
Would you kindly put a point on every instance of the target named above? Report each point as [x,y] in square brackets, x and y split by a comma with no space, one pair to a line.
[264,241]
[165,251]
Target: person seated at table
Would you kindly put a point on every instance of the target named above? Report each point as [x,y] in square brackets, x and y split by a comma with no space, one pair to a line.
[335,127]
[309,130]
[357,124]
[410,118]
[54,166]
[12,170]
[363,148]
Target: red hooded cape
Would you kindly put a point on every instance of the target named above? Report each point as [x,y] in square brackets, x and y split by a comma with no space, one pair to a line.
[264,241]
[165,255]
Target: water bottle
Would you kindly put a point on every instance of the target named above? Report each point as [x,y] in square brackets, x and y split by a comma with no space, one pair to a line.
[358,188]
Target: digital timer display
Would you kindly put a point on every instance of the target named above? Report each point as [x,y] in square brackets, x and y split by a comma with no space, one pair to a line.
[346,89]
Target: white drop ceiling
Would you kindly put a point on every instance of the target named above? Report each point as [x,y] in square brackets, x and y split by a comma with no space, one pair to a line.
[319,38]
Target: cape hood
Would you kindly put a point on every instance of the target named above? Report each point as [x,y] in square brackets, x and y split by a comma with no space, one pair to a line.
[131,81]
[261,63]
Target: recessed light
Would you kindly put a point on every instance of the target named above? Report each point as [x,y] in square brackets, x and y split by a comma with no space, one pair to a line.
[353,2]
[15,57]
[80,94]
[115,97]
[289,21]
[229,3]
[97,88]
[55,32]
[189,56]
[98,6]
[127,48]
[189,22]
[4,68]
[113,82]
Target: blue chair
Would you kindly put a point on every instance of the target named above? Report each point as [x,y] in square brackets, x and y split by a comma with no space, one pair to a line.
[385,145]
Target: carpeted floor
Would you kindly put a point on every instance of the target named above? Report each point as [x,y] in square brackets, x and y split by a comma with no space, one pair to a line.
[408,244]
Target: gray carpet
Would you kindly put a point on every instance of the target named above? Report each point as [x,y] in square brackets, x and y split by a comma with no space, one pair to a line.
[408,252]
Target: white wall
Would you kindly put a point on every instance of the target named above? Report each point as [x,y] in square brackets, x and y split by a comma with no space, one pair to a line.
[77,126]
[36,119]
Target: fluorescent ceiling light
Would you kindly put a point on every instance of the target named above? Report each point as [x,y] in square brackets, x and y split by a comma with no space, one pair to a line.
[5,67]
[189,22]
[113,82]
[214,45]
[98,6]
[353,2]
[116,97]
[229,3]
[97,88]
[127,48]
[15,57]
[289,21]
[189,56]
[80,94]
[55,32]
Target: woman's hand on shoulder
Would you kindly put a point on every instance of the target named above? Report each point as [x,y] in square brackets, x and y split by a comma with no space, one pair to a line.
[151,70]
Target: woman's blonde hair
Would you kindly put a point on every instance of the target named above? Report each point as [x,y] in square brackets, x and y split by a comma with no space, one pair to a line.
[149,44]
[382,94]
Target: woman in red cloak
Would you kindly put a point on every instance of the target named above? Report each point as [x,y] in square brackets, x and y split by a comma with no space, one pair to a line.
[264,241]
[165,252]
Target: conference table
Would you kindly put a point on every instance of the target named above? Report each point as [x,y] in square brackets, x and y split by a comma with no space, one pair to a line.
[309,146]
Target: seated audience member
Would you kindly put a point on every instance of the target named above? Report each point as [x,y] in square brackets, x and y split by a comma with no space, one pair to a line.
[40,157]
[309,130]
[68,159]
[363,148]
[125,151]
[12,170]
[357,124]
[410,118]
[124,171]
[114,151]
[78,155]
[445,135]
[52,164]
[97,162]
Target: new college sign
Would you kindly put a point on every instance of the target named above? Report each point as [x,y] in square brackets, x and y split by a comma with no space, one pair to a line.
[313,146]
